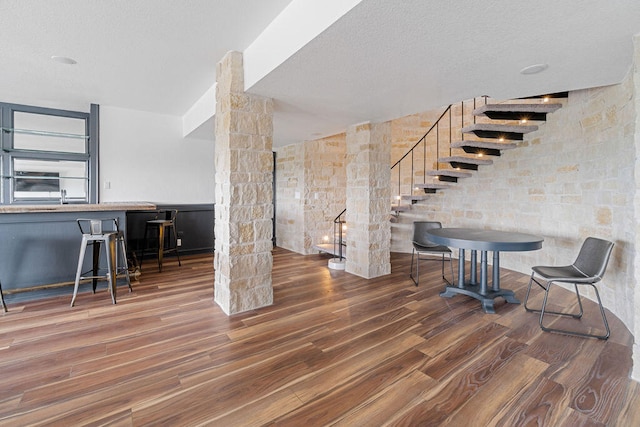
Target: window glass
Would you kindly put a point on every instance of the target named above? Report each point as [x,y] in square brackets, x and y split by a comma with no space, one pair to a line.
[44,132]
[48,179]
[48,155]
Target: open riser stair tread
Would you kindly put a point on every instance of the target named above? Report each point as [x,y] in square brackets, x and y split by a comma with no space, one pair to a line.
[535,112]
[400,208]
[449,175]
[466,160]
[485,144]
[484,148]
[431,185]
[499,131]
[449,172]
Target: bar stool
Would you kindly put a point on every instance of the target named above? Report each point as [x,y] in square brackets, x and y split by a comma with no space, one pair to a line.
[95,232]
[4,306]
[165,228]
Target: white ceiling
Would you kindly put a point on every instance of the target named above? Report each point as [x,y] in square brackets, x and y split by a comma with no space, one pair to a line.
[383,59]
[149,55]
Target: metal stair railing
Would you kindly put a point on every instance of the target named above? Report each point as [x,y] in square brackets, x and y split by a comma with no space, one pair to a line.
[338,222]
[447,114]
[434,131]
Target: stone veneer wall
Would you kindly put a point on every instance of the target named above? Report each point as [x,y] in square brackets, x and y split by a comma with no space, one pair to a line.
[634,323]
[290,188]
[244,207]
[325,187]
[405,132]
[310,191]
[369,235]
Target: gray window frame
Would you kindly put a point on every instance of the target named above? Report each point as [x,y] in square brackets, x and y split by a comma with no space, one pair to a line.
[8,152]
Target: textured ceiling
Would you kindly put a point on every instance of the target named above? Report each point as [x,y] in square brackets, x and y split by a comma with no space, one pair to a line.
[150,55]
[385,59]
[381,60]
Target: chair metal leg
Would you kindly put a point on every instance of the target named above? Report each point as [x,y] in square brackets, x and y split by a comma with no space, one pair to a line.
[546,290]
[123,251]
[453,276]
[416,278]
[526,297]
[4,306]
[83,249]
[175,239]
[112,266]
[575,333]
[413,251]
[96,245]
[160,247]
[144,245]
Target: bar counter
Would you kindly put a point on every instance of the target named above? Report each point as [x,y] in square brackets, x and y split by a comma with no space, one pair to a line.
[71,207]
[40,244]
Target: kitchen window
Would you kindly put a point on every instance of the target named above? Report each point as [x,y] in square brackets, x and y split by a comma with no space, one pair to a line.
[48,155]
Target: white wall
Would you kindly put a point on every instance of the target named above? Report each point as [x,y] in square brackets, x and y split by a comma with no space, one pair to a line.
[143,157]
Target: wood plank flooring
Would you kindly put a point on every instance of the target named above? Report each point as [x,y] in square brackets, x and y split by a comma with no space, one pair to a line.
[334,349]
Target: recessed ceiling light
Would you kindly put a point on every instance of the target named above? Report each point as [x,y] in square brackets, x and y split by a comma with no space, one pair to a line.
[64,60]
[534,69]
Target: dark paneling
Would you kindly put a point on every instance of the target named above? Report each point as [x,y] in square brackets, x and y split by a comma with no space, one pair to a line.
[42,248]
[194,225]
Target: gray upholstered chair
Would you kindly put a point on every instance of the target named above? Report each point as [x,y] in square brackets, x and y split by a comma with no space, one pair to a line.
[587,269]
[422,246]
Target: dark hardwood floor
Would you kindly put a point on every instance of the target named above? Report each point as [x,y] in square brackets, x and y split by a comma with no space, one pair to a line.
[334,349]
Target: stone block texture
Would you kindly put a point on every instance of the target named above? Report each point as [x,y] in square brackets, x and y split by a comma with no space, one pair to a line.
[243,192]
[311,192]
[369,232]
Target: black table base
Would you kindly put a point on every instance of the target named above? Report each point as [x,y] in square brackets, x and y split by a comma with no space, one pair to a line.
[487,299]
[482,241]
[480,290]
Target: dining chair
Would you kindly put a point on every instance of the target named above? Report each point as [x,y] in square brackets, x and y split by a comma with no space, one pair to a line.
[588,269]
[422,246]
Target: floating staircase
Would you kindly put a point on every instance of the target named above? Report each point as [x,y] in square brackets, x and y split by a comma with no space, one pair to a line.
[502,126]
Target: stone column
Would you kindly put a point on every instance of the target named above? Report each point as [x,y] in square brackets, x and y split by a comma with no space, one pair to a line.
[635,71]
[243,192]
[368,199]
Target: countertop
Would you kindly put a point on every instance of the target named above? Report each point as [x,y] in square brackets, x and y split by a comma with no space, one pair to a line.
[78,207]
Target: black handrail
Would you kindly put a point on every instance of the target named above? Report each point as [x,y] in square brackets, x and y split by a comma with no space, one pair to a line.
[425,135]
[337,222]
[436,126]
